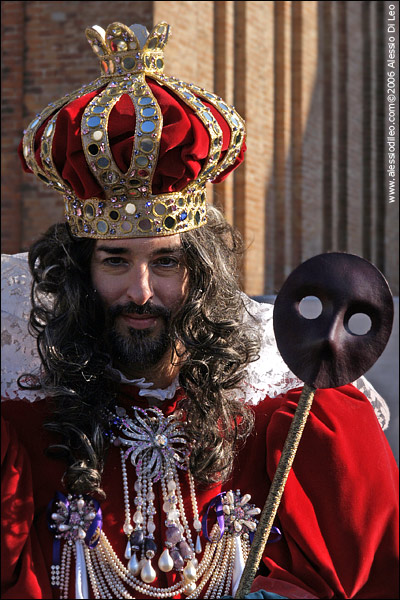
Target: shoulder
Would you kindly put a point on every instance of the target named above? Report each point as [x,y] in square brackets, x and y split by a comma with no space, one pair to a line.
[338,417]
[342,405]
[342,434]
[18,410]
[24,447]
[330,405]
[24,420]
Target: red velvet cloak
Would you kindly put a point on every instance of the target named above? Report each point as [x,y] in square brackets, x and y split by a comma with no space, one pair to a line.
[338,516]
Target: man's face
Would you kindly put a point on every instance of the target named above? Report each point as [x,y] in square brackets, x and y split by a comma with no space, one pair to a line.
[142,282]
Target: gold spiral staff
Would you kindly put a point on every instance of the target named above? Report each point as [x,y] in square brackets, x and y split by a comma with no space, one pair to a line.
[275,494]
[324,352]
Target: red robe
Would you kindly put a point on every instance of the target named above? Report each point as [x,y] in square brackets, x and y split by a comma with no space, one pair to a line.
[338,515]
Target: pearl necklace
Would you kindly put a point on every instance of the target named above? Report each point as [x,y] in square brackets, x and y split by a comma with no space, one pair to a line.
[158,449]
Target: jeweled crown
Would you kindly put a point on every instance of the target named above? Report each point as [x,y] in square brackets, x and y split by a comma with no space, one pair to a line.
[131,63]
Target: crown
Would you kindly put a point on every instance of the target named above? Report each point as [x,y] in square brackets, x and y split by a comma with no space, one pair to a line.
[105,199]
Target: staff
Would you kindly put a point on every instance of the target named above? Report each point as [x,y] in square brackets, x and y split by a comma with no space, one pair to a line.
[324,352]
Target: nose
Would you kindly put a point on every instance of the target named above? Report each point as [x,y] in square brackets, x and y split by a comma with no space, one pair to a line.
[335,332]
[140,288]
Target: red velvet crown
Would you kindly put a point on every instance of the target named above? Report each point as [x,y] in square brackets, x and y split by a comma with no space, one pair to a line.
[132,151]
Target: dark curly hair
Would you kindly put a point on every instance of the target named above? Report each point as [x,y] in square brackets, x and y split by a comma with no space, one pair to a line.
[67,319]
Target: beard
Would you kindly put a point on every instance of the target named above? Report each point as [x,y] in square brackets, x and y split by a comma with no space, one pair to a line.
[142,347]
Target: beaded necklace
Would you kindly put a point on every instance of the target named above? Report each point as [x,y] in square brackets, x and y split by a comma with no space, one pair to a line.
[158,449]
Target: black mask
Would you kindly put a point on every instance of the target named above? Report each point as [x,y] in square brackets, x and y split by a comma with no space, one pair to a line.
[325,352]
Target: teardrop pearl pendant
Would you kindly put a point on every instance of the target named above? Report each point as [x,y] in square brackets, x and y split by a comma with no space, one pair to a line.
[148,574]
[165,562]
[189,572]
[128,551]
[133,565]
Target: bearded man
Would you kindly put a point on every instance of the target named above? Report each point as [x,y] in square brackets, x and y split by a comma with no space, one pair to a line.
[141,470]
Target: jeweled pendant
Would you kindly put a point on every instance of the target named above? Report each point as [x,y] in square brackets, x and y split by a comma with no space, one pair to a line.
[189,572]
[128,551]
[133,565]
[148,574]
[165,562]
[198,547]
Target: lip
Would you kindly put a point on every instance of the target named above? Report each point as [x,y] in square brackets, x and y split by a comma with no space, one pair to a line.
[140,321]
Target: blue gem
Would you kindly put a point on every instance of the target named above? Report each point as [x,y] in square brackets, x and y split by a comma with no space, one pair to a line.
[148,204]
[101,204]
[86,228]
[123,198]
[158,229]
[183,216]
[112,231]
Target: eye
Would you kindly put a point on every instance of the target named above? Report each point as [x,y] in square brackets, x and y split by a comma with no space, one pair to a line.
[167,262]
[114,261]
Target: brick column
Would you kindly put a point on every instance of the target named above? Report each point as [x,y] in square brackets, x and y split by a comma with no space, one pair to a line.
[307,189]
[282,139]
[357,138]
[254,100]
[12,24]
[224,52]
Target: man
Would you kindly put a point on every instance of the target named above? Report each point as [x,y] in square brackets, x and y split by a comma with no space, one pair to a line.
[141,471]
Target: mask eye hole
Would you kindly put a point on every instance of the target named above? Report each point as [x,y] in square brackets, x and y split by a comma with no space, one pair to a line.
[310,307]
[359,324]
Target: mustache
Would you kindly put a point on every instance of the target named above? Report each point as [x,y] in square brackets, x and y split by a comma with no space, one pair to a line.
[145,309]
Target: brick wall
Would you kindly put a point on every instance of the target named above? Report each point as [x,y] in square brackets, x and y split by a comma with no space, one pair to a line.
[307,77]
